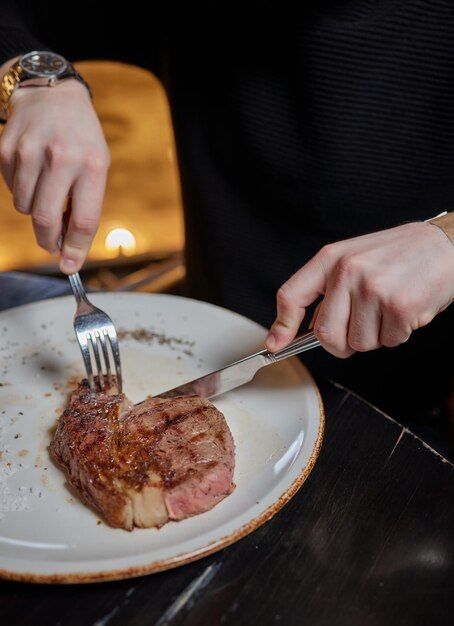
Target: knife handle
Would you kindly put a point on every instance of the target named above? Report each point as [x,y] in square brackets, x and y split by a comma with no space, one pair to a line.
[300,344]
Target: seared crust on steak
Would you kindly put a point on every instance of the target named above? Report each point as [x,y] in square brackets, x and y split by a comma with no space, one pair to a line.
[141,466]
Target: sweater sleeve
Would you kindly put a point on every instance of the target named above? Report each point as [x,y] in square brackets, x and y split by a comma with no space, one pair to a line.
[16,37]
[90,31]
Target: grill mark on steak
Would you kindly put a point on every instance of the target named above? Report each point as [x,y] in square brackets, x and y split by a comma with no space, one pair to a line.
[166,458]
[141,453]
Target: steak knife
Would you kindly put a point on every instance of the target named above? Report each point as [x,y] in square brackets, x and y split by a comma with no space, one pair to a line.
[240,372]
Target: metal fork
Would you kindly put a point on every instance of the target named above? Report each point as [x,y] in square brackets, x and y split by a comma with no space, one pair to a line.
[95,331]
[93,327]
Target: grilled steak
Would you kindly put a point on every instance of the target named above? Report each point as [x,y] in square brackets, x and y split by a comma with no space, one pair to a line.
[143,465]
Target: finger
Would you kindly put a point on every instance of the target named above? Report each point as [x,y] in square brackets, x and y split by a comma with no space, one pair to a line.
[49,202]
[7,160]
[26,175]
[301,290]
[87,199]
[290,314]
[332,321]
[365,324]
[395,327]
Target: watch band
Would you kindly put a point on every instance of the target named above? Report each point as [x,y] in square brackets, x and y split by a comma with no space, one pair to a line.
[71,72]
[9,83]
[16,76]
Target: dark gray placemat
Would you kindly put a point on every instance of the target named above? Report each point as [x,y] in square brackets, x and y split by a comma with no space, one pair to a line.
[18,288]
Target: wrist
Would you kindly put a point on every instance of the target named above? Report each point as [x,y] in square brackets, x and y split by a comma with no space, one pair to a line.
[36,69]
[70,93]
[71,86]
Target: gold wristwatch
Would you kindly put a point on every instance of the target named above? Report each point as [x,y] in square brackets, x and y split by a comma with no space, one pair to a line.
[37,69]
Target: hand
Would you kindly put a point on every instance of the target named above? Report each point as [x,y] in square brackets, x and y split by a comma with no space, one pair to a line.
[377,289]
[53,147]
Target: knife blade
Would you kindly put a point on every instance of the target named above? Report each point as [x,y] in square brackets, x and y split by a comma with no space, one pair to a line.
[240,372]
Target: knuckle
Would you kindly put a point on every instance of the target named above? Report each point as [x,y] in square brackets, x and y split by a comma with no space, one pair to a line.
[326,253]
[393,336]
[399,308]
[57,153]
[26,153]
[391,341]
[332,343]
[360,345]
[283,295]
[324,334]
[42,220]
[369,289]
[85,225]
[6,154]
[425,318]
[97,162]
[346,267]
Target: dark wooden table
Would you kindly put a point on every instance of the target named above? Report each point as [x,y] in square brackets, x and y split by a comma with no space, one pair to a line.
[367,541]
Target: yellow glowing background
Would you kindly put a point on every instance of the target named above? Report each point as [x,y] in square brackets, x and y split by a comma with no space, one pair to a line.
[143,194]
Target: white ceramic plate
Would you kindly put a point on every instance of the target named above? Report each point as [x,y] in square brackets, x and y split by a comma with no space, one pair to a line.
[46,533]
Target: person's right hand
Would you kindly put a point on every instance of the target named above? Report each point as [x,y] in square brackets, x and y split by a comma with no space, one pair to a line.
[377,289]
[53,147]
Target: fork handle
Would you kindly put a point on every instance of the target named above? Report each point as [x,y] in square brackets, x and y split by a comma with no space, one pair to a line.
[300,344]
[78,289]
[74,279]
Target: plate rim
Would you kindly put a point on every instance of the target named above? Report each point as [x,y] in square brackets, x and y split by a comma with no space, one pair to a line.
[197,553]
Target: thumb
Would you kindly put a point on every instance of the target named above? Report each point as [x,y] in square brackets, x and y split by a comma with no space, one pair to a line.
[301,290]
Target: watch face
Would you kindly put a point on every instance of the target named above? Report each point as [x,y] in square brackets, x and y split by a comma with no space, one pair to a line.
[43,64]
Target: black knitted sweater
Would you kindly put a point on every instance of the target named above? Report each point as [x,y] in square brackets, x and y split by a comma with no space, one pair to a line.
[291,132]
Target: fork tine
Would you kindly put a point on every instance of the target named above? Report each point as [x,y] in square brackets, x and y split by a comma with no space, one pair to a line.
[102,339]
[113,339]
[93,337]
[83,344]
[96,327]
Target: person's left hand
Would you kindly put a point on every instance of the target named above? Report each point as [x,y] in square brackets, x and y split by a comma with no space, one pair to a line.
[377,289]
